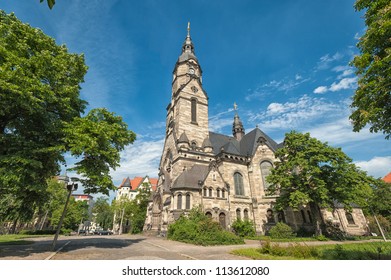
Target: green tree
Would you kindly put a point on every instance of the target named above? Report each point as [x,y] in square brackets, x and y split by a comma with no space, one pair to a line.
[372,100]
[103,213]
[41,119]
[380,202]
[139,208]
[310,172]
[77,211]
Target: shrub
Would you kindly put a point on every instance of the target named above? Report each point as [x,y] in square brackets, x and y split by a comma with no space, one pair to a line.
[384,223]
[243,228]
[281,231]
[333,231]
[201,230]
[321,237]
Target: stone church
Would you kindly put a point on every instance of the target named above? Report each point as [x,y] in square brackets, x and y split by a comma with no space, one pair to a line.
[223,174]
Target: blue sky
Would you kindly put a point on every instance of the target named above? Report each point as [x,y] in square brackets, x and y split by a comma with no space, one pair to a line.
[285,63]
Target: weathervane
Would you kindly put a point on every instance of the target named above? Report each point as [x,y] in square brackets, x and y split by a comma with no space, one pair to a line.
[188,28]
[235,106]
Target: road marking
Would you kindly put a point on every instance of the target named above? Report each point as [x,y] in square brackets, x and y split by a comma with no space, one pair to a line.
[53,254]
[161,247]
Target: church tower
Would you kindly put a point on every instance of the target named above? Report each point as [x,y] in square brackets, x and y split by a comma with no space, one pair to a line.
[187,114]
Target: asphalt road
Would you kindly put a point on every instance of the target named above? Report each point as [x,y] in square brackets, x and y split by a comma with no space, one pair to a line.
[125,247]
[118,247]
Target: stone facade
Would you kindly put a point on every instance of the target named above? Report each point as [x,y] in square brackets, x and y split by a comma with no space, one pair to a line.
[224,175]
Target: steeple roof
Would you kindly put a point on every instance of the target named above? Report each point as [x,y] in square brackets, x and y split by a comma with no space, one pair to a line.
[187,48]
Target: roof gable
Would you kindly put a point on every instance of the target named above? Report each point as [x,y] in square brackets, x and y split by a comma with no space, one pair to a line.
[387,178]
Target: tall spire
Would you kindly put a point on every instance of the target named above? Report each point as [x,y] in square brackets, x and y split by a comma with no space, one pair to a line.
[188,46]
[237,127]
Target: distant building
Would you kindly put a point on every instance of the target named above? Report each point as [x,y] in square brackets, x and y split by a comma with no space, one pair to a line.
[387,178]
[129,189]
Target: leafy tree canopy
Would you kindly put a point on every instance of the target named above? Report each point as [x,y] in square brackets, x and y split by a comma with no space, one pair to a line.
[103,212]
[309,171]
[41,119]
[372,100]
[380,202]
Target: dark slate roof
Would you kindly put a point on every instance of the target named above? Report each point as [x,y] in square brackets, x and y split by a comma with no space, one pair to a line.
[183,138]
[189,178]
[207,143]
[245,147]
[186,56]
[127,183]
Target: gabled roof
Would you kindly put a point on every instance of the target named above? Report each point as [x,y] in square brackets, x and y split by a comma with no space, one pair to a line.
[387,178]
[189,179]
[137,182]
[245,147]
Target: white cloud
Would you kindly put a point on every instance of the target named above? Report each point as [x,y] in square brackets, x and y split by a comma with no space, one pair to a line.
[321,89]
[326,60]
[275,108]
[219,121]
[345,83]
[345,71]
[378,167]
[286,84]
[292,115]
[140,159]
[339,131]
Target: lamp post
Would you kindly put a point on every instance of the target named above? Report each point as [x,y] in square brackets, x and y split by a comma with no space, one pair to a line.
[71,186]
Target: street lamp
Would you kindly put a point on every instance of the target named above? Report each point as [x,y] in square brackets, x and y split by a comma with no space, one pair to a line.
[71,186]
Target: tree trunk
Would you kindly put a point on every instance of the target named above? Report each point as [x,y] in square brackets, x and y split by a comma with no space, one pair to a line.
[13,228]
[317,218]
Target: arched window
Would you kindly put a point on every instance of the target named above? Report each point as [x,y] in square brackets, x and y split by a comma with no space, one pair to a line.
[281,216]
[210,192]
[218,192]
[270,216]
[193,145]
[188,201]
[238,214]
[205,191]
[245,214]
[350,219]
[208,214]
[238,180]
[179,204]
[194,110]
[223,193]
[266,167]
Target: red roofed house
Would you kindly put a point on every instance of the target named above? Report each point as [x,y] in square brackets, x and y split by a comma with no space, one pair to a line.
[387,178]
[129,189]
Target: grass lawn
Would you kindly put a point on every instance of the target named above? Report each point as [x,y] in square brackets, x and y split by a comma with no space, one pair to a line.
[351,251]
[17,239]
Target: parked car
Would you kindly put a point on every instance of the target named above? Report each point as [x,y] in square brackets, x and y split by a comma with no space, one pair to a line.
[82,232]
[104,232]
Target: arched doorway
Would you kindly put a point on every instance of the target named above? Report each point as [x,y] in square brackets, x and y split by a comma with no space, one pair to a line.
[222,221]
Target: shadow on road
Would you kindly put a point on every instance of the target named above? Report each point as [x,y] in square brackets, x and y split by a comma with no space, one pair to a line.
[44,247]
